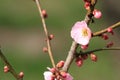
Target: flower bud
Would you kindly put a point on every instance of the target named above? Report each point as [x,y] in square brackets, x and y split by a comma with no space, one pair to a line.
[110,44]
[45,49]
[84,47]
[21,74]
[110,30]
[44,13]
[64,74]
[105,36]
[60,64]
[53,70]
[87,5]
[79,62]
[93,57]
[51,36]
[97,14]
[6,69]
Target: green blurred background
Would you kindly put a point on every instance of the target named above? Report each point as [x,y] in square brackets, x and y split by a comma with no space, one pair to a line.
[22,38]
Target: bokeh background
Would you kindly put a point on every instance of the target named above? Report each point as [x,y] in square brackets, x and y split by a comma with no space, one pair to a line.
[22,38]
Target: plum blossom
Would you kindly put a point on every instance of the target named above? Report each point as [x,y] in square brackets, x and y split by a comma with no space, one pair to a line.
[81,33]
[48,76]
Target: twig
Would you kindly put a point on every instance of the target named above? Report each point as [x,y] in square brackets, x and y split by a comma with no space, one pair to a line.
[100,49]
[105,30]
[46,33]
[11,70]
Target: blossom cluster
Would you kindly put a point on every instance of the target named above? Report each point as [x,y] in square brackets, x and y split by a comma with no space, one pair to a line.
[56,73]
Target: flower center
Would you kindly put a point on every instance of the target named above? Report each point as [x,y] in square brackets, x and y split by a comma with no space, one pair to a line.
[84,32]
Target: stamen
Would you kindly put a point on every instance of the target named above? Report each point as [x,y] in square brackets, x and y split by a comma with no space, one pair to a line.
[84,32]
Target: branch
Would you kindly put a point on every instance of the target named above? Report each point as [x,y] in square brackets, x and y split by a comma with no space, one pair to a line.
[70,56]
[74,46]
[100,49]
[46,33]
[105,30]
[11,70]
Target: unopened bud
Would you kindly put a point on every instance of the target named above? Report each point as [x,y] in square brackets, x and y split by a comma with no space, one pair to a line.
[53,70]
[64,74]
[87,5]
[44,13]
[93,57]
[6,69]
[79,62]
[84,47]
[105,36]
[45,49]
[110,44]
[21,74]
[97,14]
[110,30]
[60,64]
[51,36]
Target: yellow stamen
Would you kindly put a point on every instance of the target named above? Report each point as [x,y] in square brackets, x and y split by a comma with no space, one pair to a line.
[84,32]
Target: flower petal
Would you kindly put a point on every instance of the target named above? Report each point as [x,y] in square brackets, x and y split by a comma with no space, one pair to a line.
[47,75]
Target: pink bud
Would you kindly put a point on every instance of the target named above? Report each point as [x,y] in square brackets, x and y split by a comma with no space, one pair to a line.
[51,36]
[6,69]
[53,70]
[79,62]
[105,36]
[60,64]
[68,77]
[110,44]
[84,47]
[93,57]
[87,5]
[64,74]
[97,14]
[44,13]
[110,30]
[21,74]
[45,49]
